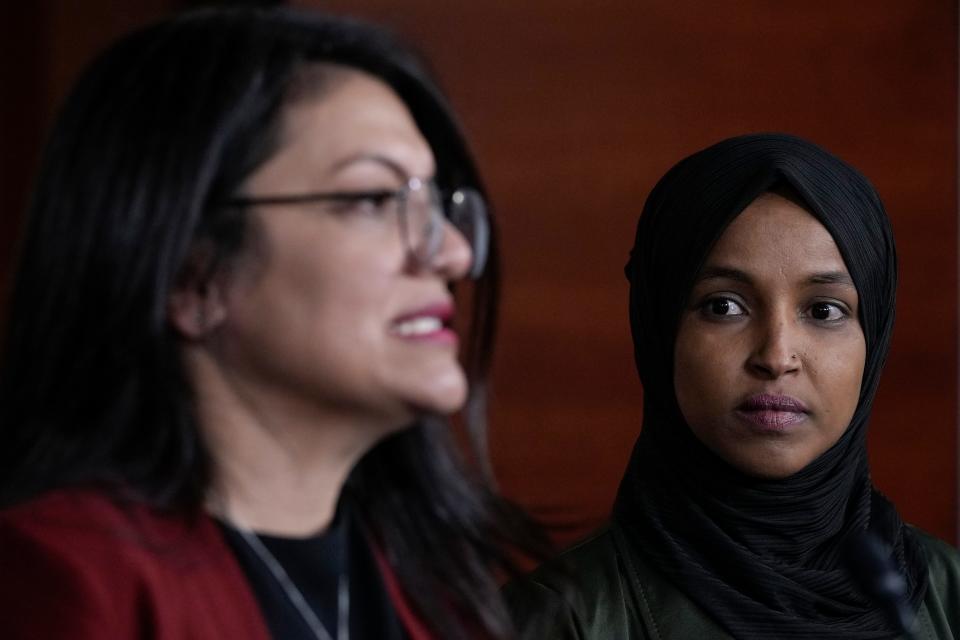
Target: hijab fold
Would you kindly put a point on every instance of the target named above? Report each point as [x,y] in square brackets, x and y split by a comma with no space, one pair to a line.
[765,558]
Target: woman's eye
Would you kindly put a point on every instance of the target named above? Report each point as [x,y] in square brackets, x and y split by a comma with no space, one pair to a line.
[723,307]
[826,311]
[367,202]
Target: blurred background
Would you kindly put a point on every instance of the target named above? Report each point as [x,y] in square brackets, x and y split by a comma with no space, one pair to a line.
[575,108]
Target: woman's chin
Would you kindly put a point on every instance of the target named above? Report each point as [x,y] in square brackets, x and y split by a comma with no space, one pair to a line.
[445,395]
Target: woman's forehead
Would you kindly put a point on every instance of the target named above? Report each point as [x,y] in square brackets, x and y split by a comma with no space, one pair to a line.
[359,118]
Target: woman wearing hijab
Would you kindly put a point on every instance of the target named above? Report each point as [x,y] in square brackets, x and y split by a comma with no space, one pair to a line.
[762,284]
[229,358]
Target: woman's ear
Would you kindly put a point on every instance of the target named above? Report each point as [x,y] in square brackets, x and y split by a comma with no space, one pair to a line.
[197,305]
[196,311]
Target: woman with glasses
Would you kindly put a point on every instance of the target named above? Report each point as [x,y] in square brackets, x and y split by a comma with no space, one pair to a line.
[232,346]
[762,289]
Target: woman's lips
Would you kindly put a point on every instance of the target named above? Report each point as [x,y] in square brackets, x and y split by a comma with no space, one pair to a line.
[427,324]
[770,412]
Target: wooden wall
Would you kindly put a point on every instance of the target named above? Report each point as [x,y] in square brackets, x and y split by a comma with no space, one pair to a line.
[575,109]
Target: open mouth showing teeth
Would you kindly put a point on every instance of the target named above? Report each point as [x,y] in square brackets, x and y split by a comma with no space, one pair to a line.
[421,326]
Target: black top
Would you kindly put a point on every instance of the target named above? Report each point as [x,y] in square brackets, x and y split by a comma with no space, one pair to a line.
[314,565]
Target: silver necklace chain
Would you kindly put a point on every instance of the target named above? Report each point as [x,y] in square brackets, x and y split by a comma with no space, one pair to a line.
[295,596]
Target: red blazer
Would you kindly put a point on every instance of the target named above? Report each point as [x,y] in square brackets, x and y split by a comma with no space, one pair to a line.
[75,564]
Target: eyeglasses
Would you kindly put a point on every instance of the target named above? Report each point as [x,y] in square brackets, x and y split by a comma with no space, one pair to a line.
[421,209]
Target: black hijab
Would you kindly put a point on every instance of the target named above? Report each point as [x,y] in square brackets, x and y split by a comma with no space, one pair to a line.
[765,558]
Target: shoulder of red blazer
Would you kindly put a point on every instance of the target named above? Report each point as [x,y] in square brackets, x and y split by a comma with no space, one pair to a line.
[80,563]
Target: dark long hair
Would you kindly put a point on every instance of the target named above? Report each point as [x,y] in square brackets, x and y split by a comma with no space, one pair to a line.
[161,127]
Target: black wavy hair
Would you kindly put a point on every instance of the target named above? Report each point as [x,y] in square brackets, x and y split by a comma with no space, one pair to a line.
[162,126]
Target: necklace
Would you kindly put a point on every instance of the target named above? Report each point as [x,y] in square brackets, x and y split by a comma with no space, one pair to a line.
[286,584]
[295,596]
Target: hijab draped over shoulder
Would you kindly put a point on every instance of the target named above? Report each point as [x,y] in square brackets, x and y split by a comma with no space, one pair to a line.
[762,557]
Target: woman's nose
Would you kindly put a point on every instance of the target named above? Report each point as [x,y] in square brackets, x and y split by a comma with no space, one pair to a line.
[454,257]
[776,350]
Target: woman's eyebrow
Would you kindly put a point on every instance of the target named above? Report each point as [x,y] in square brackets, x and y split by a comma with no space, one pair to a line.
[831,277]
[711,272]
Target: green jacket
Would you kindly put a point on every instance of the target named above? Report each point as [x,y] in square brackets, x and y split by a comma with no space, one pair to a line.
[614,594]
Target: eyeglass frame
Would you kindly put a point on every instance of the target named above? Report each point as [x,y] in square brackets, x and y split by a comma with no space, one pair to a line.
[440,213]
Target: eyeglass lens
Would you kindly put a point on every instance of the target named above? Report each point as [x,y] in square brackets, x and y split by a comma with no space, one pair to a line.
[466,211]
[468,214]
